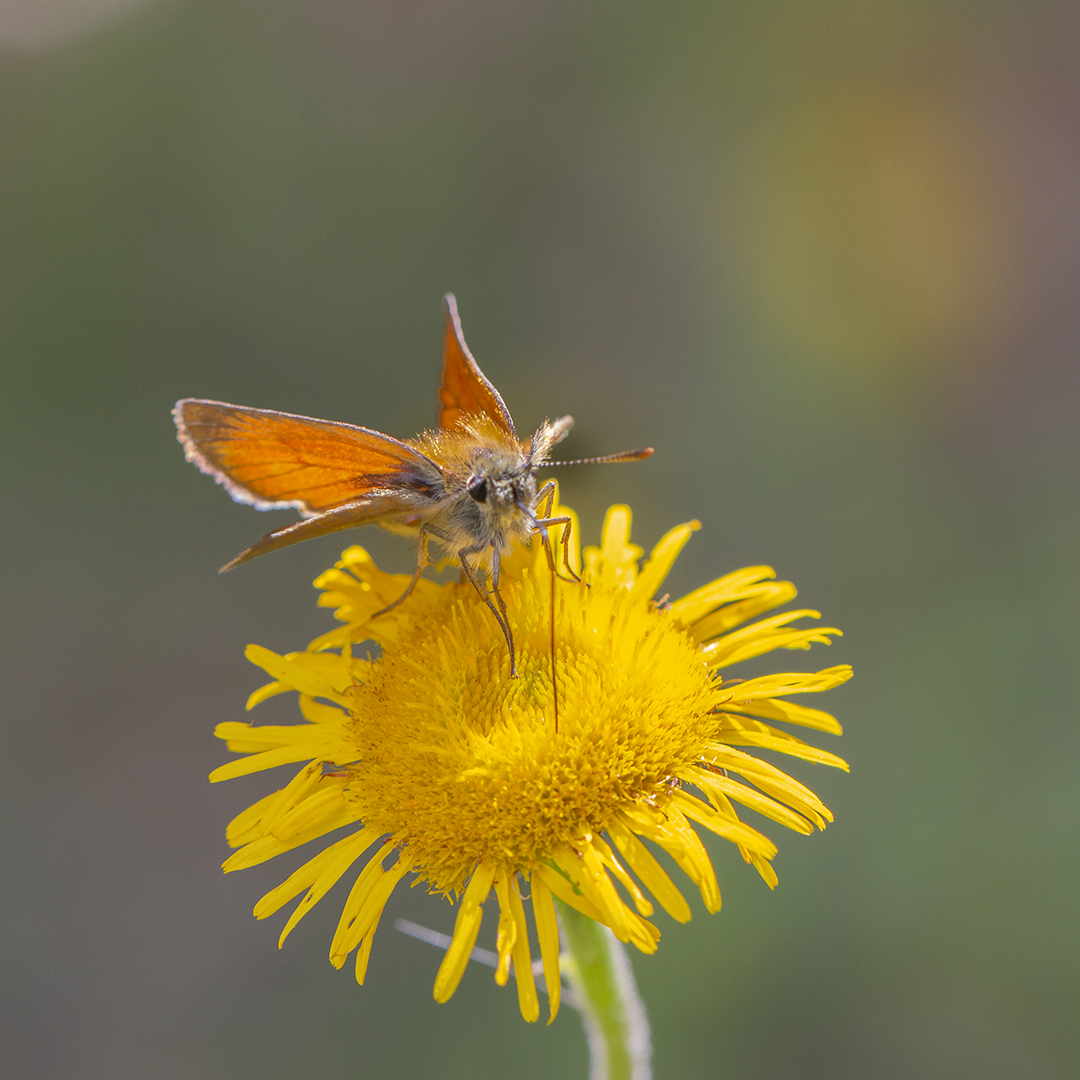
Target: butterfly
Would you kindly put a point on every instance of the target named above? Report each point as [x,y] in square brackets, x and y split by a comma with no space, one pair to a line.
[470,485]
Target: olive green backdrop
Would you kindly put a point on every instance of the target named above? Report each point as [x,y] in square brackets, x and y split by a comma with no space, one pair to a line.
[824,257]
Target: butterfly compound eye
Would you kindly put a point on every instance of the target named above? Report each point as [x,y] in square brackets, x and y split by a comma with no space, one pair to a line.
[477,488]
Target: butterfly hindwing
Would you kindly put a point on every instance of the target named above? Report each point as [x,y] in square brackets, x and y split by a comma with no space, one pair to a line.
[364,511]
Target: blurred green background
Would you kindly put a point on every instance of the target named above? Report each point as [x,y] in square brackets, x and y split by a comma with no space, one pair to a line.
[824,257]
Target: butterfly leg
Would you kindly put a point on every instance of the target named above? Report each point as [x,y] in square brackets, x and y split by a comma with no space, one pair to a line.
[421,566]
[478,584]
[496,566]
[547,495]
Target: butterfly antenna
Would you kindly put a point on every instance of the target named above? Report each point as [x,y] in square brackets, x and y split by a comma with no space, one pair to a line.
[625,455]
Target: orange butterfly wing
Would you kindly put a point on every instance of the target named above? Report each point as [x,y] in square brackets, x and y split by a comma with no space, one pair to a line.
[273,459]
[464,387]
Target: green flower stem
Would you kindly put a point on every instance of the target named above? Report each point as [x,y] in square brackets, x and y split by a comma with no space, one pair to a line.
[614,1016]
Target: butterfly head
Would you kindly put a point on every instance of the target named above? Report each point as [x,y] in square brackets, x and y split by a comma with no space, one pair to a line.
[502,478]
[499,482]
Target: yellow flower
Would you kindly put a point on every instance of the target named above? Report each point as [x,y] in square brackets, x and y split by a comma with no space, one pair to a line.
[474,781]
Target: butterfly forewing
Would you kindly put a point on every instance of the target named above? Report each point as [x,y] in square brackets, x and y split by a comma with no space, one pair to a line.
[273,459]
[464,389]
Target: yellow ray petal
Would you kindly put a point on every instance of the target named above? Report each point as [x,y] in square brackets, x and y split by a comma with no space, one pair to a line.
[653,875]
[332,871]
[267,847]
[363,954]
[245,826]
[697,604]
[268,759]
[774,782]
[762,866]
[752,799]
[506,934]
[265,692]
[568,892]
[777,639]
[370,910]
[587,872]
[673,833]
[662,559]
[319,712]
[528,1002]
[762,598]
[615,561]
[792,682]
[349,848]
[303,784]
[345,940]
[249,739]
[324,803]
[369,580]
[791,713]
[751,733]
[466,927]
[607,857]
[736,831]
[547,932]
[764,636]
[319,674]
